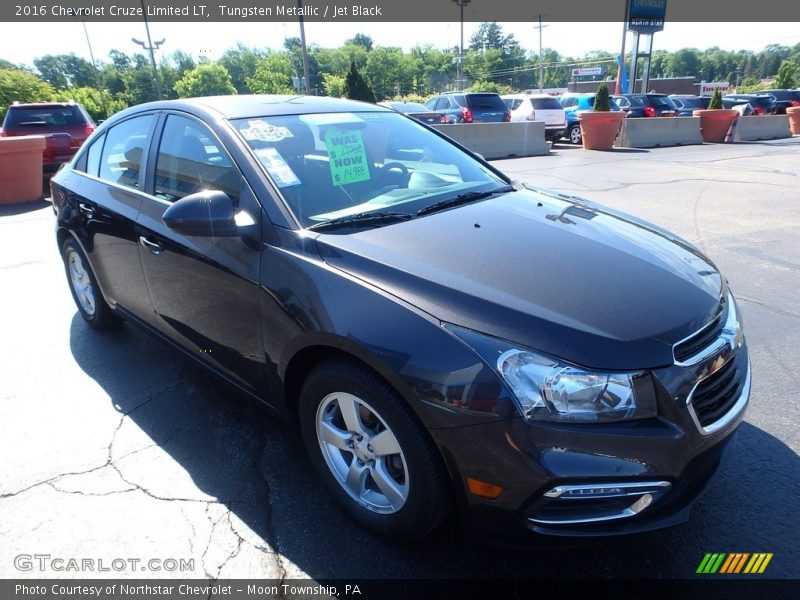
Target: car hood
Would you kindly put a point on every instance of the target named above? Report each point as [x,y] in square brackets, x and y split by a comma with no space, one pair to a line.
[566,277]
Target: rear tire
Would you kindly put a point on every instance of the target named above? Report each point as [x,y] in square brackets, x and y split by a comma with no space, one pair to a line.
[374,456]
[85,291]
[574,135]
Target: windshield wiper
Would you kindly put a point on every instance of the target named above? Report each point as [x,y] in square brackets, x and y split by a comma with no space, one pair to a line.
[362,219]
[464,198]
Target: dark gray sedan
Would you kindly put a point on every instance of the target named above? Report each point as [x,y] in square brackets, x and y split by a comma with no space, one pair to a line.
[443,339]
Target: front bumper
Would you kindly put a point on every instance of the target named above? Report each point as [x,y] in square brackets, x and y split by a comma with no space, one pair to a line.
[592,480]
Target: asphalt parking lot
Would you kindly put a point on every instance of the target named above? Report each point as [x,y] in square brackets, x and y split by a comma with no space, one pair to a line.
[115,446]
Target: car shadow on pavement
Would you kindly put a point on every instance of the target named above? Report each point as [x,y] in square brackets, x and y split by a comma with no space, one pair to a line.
[236,453]
[10,210]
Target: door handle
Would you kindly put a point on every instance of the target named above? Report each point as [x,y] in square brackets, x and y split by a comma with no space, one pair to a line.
[152,247]
[86,209]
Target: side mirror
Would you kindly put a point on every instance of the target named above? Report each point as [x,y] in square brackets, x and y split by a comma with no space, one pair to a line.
[206,213]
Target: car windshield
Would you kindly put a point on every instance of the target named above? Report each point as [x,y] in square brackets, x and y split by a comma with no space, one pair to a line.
[336,165]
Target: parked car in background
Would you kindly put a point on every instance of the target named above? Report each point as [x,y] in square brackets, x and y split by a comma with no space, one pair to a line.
[470,107]
[784,98]
[763,104]
[687,104]
[646,105]
[359,274]
[65,125]
[413,109]
[574,105]
[745,108]
[538,107]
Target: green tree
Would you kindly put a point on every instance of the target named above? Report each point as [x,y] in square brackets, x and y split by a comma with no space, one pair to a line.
[208,79]
[66,70]
[273,75]
[390,72]
[786,76]
[684,62]
[241,63]
[355,86]
[99,104]
[716,100]
[601,102]
[21,86]
[334,85]
[138,82]
[361,39]
[489,86]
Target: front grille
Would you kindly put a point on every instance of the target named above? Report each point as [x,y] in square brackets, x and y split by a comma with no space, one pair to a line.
[700,340]
[716,394]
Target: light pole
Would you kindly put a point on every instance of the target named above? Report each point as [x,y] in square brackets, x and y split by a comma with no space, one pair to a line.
[303,45]
[459,63]
[541,62]
[151,47]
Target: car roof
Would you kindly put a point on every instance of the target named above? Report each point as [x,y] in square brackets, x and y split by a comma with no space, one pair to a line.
[264,105]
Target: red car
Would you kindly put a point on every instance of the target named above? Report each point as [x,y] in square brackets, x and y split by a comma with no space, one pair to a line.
[66,125]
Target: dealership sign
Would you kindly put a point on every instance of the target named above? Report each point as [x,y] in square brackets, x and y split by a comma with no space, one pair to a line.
[587,71]
[646,16]
[708,88]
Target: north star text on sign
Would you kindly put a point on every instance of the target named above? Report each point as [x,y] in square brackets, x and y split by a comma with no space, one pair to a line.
[357,11]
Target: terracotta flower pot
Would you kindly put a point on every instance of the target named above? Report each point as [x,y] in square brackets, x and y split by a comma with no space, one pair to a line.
[714,123]
[599,129]
[794,119]
[21,168]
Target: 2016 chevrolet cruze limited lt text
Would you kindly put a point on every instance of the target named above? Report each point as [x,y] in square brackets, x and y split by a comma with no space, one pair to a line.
[445,340]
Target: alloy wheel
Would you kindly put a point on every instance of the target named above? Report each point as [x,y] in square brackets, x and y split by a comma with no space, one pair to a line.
[362,453]
[81,282]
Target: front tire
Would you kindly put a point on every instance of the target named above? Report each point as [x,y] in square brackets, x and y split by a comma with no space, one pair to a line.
[375,457]
[85,291]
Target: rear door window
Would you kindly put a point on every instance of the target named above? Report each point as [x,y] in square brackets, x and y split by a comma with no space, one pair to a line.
[123,152]
[89,160]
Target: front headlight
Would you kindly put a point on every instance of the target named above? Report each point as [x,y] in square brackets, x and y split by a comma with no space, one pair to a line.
[548,389]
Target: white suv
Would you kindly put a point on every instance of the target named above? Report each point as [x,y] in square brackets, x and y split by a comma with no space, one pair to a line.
[538,107]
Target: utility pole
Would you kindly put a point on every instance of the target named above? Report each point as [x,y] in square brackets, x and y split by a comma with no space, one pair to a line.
[541,55]
[305,50]
[96,71]
[151,47]
[460,60]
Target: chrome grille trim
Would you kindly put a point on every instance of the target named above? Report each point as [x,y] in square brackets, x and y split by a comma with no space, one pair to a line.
[736,408]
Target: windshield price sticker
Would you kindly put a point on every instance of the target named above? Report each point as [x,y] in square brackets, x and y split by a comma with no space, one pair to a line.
[347,156]
[263,131]
[281,173]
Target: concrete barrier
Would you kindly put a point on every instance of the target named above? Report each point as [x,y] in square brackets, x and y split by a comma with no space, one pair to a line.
[499,140]
[762,127]
[659,131]
[21,168]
